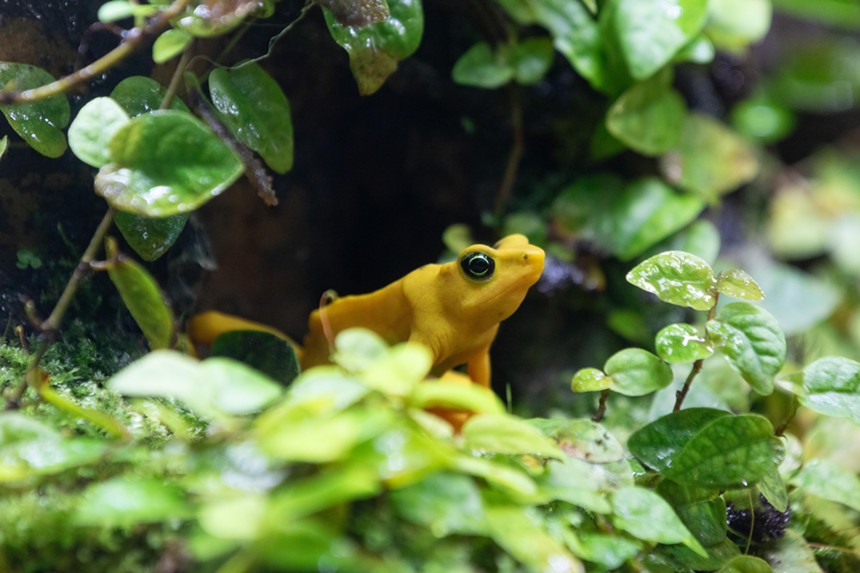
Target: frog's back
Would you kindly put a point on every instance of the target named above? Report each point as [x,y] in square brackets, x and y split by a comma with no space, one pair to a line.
[384,311]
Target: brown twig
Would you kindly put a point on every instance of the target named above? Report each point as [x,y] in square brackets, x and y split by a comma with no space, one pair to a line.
[134,39]
[681,394]
[515,154]
[601,406]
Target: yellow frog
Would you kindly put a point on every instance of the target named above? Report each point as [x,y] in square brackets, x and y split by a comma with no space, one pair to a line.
[453,308]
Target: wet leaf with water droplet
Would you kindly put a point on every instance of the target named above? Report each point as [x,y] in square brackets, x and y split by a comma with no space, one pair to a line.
[739,284]
[255,109]
[635,372]
[165,163]
[678,278]
[831,386]
[140,94]
[357,13]
[39,123]
[590,380]
[682,343]
[375,50]
[657,443]
[150,238]
[729,452]
[752,340]
[505,434]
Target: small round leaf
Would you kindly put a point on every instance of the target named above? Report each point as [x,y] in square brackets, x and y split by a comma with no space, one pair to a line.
[165,163]
[590,380]
[752,340]
[636,372]
[93,128]
[678,278]
[39,123]
[682,343]
[738,284]
[831,386]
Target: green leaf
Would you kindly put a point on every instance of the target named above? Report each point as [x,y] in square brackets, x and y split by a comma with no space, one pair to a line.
[505,434]
[444,503]
[829,480]
[307,496]
[221,18]
[576,36]
[647,212]
[510,479]
[711,160]
[764,120]
[590,380]
[142,298]
[773,489]
[679,343]
[657,444]
[678,278]
[531,60]
[263,351]
[469,398]
[165,163]
[651,32]
[29,448]
[702,511]
[738,284]
[521,533]
[635,372]
[729,452]
[150,238]
[625,219]
[356,349]
[840,13]
[139,94]
[482,67]
[647,516]
[212,388]
[170,44]
[257,112]
[752,340]
[324,388]
[375,50]
[746,564]
[127,501]
[831,386]
[295,435]
[793,552]
[235,518]
[582,438]
[734,24]
[608,550]
[648,116]
[93,128]
[399,370]
[39,123]
[4,144]
[116,10]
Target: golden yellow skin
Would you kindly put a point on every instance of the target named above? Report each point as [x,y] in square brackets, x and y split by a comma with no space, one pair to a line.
[455,316]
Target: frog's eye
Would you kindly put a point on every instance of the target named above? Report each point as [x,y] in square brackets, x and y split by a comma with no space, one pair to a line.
[478,266]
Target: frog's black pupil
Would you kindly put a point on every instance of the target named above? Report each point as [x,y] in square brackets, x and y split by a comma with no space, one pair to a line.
[478,266]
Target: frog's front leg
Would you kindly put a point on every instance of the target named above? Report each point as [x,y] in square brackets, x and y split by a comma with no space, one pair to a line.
[478,367]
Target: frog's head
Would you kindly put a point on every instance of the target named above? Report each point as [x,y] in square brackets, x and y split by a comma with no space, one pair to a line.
[491,282]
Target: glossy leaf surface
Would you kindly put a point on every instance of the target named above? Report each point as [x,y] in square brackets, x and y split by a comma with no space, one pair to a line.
[39,123]
[257,112]
[678,278]
[165,163]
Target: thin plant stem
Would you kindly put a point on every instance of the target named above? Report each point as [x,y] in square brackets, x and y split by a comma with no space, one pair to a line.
[52,324]
[601,406]
[681,394]
[134,39]
[172,88]
[515,154]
